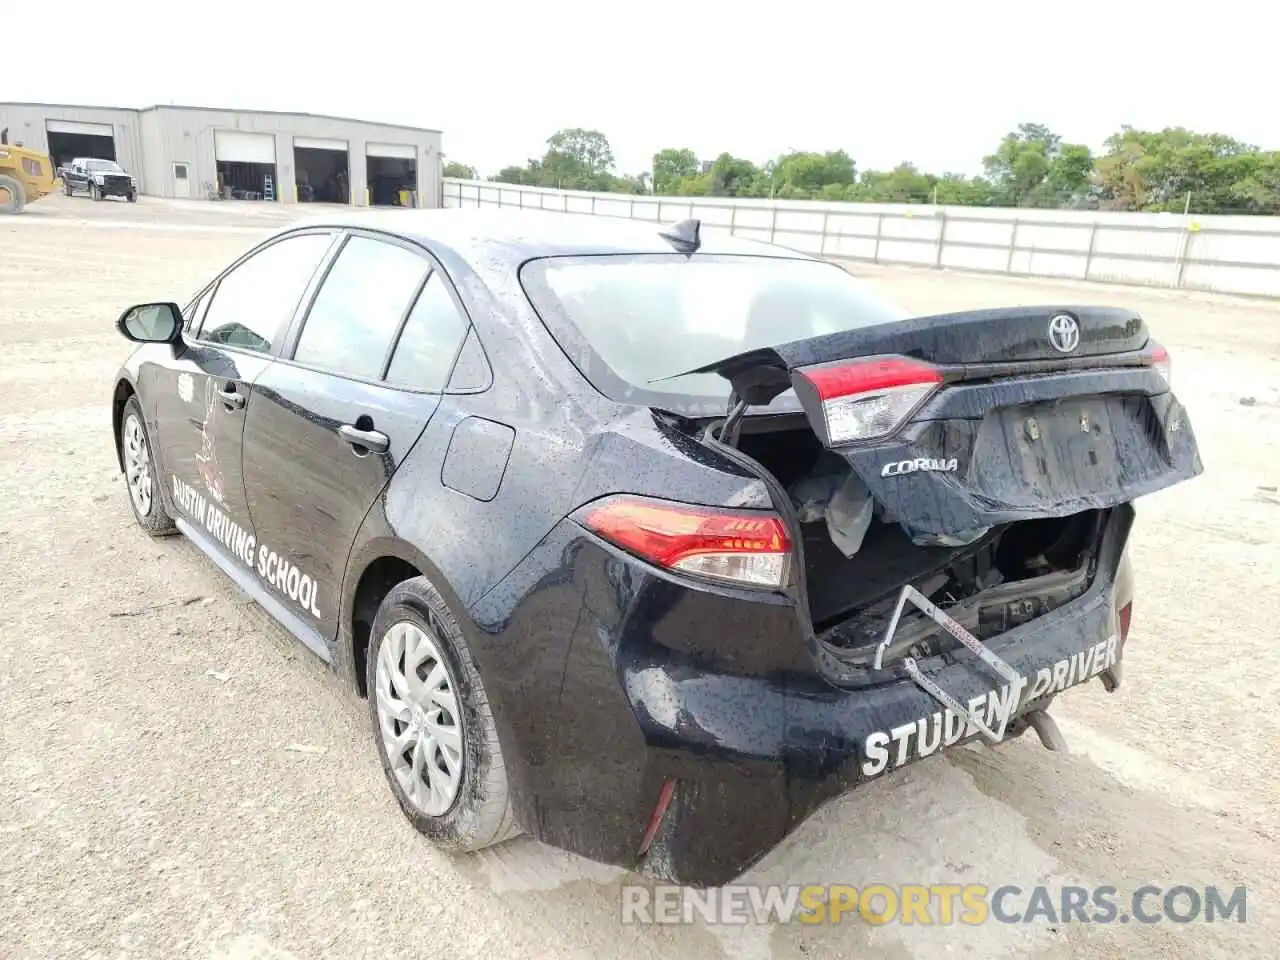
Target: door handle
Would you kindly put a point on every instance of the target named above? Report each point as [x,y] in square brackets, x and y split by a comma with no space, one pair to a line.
[233,398]
[370,440]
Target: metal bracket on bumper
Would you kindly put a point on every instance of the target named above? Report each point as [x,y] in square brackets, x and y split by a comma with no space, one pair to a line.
[922,603]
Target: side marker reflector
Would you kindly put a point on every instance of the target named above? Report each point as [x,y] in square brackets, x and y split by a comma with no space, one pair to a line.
[655,819]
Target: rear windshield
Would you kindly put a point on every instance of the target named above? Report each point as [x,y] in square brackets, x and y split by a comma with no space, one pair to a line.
[628,321]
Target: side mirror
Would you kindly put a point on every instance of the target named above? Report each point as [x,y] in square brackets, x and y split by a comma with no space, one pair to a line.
[151,323]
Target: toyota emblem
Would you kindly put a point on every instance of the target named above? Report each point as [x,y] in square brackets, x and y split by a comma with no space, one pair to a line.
[1064,333]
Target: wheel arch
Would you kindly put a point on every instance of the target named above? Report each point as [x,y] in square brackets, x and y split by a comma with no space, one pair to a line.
[380,564]
[120,396]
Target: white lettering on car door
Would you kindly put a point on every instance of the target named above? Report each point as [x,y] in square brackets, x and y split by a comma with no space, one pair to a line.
[271,568]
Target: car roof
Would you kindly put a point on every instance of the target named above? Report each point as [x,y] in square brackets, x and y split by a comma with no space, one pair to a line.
[483,235]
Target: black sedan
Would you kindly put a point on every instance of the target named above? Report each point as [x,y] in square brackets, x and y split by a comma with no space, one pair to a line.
[641,541]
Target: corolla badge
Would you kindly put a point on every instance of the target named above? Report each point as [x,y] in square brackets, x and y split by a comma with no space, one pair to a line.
[1064,333]
[928,464]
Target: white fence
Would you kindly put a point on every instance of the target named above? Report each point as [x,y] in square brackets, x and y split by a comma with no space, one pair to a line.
[1222,254]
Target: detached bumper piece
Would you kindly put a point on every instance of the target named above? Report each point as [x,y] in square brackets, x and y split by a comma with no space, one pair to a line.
[1038,720]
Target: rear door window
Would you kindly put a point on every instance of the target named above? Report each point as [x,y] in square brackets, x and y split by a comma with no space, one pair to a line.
[472,372]
[430,341]
[253,304]
[360,308]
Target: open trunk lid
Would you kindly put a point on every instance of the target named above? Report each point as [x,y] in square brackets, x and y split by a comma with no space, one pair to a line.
[959,422]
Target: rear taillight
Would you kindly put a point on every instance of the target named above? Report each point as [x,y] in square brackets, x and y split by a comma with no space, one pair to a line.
[746,547]
[1163,364]
[867,399]
[1126,616]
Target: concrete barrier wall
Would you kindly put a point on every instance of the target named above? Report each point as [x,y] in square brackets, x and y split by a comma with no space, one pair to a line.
[1221,254]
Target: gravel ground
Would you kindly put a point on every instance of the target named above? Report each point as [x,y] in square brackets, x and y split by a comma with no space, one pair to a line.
[178,778]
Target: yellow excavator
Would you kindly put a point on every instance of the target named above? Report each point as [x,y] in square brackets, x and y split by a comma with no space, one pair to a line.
[25,175]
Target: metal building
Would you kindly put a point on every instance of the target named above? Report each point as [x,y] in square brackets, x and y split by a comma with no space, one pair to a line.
[201,153]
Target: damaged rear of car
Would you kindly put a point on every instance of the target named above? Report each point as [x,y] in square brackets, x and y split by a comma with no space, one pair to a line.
[937,549]
[979,459]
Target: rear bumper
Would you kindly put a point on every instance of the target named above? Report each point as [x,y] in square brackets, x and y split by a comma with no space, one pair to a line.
[793,749]
[608,679]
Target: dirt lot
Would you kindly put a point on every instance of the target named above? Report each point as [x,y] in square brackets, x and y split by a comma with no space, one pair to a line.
[178,778]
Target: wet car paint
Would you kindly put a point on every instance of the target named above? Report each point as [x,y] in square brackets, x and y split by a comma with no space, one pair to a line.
[606,676]
[638,678]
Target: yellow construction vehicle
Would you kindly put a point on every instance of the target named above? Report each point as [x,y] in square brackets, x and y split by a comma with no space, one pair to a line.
[25,175]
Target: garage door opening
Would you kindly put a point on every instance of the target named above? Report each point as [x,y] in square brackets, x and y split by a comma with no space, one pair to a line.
[323,171]
[69,140]
[246,165]
[246,181]
[392,174]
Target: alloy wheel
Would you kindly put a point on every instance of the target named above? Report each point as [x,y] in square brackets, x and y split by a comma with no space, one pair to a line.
[419,718]
[137,465]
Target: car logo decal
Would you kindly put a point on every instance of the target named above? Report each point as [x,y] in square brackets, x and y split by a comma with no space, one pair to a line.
[186,387]
[1064,333]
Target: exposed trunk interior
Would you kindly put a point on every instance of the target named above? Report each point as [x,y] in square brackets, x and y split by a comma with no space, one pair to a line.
[1006,576]
[977,457]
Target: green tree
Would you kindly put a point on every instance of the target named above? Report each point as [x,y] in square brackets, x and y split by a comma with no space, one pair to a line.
[1032,167]
[459,171]
[672,165]
[903,184]
[732,176]
[810,173]
[509,175]
[577,158]
[1258,190]
[1157,170]
[1069,182]
[1021,163]
[961,191]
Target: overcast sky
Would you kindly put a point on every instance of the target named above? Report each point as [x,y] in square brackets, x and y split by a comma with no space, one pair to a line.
[934,83]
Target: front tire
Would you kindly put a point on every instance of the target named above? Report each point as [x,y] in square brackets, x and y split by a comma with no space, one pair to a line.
[13,196]
[139,473]
[94,192]
[432,725]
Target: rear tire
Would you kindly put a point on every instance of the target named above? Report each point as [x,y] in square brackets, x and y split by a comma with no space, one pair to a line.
[139,473]
[13,197]
[426,697]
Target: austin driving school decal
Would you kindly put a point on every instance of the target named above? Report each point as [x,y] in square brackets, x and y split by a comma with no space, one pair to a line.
[270,567]
[887,749]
